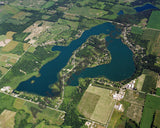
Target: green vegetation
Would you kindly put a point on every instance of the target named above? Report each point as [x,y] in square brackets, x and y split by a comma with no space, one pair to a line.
[152,104]
[88,103]
[30,64]
[87,12]
[114,119]
[153,45]
[150,81]
[156,119]
[26,113]
[48,4]
[6,105]
[37,26]
[72,97]
[136,30]
[96,104]
[140,82]
[154,20]
[7,119]
[158,91]
[133,103]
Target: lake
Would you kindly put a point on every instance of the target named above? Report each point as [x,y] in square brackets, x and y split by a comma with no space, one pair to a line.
[121,66]
[145,7]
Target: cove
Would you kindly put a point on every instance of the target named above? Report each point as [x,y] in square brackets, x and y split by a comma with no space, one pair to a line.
[49,72]
[121,66]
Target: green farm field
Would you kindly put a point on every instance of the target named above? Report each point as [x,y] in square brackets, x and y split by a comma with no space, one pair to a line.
[152,104]
[100,102]
[154,41]
[139,82]
[154,20]
[36,113]
[86,11]
[150,81]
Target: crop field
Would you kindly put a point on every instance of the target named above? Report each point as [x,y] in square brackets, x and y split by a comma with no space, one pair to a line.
[114,119]
[134,112]
[135,107]
[7,119]
[35,4]
[10,46]
[154,37]
[147,118]
[6,105]
[139,82]
[9,51]
[6,12]
[134,98]
[48,4]
[86,11]
[38,113]
[136,30]
[18,104]
[88,104]
[150,81]
[156,122]
[101,107]
[154,20]
[34,112]
[60,32]
[26,46]
[152,104]
[21,15]
[6,62]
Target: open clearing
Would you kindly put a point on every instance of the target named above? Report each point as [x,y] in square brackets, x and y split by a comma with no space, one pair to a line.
[140,81]
[7,119]
[134,112]
[101,106]
[18,104]
[26,46]
[10,46]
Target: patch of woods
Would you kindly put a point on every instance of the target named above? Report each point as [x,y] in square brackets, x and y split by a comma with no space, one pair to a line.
[70,106]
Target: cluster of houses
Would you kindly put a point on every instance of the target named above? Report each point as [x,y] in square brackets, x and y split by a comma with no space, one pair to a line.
[119,107]
[130,85]
[6,89]
[119,96]
[91,124]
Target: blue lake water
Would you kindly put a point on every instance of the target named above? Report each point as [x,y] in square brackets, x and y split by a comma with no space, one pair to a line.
[145,7]
[120,12]
[121,66]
